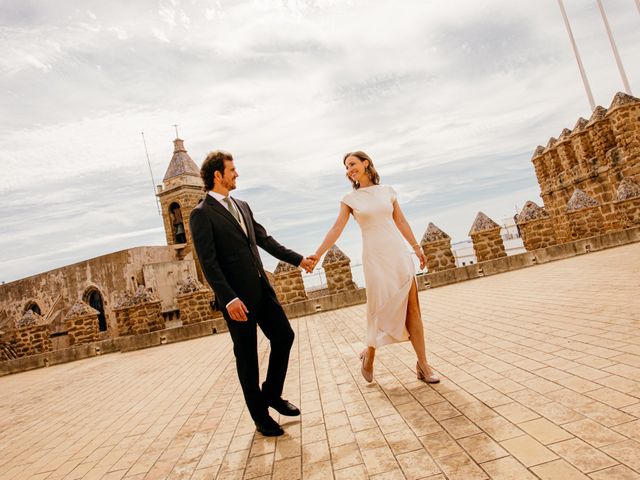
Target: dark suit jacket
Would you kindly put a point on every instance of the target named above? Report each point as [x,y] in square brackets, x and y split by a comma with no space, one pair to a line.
[229,258]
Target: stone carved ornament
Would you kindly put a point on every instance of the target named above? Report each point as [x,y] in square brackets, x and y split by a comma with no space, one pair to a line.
[142,295]
[81,309]
[627,189]
[433,234]
[531,211]
[334,255]
[580,200]
[189,285]
[482,223]
[31,319]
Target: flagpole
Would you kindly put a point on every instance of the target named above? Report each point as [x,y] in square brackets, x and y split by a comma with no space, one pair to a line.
[625,81]
[153,182]
[577,55]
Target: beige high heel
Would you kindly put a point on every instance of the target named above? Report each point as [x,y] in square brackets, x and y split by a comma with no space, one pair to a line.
[367,374]
[433,378]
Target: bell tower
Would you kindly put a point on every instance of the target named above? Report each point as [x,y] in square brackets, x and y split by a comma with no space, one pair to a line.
[180,192]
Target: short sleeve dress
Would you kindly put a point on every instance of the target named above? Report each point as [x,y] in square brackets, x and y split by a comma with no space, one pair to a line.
[388,268]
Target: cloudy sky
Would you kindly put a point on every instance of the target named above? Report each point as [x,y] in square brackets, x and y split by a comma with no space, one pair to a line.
[449,98]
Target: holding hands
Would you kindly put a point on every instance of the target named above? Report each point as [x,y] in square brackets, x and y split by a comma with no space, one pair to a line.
[309,263]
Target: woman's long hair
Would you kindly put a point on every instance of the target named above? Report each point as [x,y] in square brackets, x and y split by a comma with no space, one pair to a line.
[370,170]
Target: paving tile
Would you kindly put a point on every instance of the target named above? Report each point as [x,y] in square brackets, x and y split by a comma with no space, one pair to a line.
[316,452]
[514,390]
[357,472]
[460,466]
[379,460]
[593,433]
[440,444]
[516,412]
[558,469]
[345,456]
[417,464]
[545,431]
[582,455]
[499,428]
[317,471]
[619,472]
[459,427]
[403,441]
[528,451]
[627,452]
[507,468]
[288,469]
[482,448]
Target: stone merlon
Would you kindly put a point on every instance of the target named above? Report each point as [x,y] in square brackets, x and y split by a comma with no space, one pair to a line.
[552,141]
[284,267]
[621,99]
[598,114]
[482,223]
[580,125]
[334,255]
[538,151]
[81,309]
[142,295]
[30,319]
[190,285]
[531,211]
[627,189]
[433,234]
[580,200]
[564,135]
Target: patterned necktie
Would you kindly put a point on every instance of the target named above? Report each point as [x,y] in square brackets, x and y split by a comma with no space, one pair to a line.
[232,208]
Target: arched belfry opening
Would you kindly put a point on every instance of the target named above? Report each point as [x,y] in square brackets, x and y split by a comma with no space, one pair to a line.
[33,306]
[93,298]
[177,223]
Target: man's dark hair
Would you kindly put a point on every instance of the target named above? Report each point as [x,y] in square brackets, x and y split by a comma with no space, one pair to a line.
[213,163]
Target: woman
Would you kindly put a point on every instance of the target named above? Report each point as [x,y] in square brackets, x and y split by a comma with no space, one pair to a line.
[393,311]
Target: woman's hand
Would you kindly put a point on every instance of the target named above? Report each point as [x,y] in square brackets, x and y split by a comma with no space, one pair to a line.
[418,251]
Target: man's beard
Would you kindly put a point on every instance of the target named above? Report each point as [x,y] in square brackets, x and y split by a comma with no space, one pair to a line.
[229,185]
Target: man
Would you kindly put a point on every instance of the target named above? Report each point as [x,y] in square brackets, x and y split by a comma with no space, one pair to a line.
[226,237]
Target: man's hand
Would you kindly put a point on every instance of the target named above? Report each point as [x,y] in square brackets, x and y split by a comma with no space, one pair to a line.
[237,310]
[308,263]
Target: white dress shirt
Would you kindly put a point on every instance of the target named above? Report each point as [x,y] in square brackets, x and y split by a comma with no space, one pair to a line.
[220,198]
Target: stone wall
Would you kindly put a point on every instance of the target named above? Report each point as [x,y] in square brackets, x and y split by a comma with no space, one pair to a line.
[56,290]
[288,283]
[82,324]
[436,246]
[139,313]
[536,227]
[194,302]
[32,336]
[487,242]
[594,158]
[337,269]
[627,203]
[585,217]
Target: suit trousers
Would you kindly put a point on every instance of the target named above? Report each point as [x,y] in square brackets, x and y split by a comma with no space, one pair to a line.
[273,322]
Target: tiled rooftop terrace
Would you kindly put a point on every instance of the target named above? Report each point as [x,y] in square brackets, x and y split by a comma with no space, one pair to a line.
[541,379]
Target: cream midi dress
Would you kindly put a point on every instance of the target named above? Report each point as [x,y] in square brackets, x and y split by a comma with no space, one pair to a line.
[388,267]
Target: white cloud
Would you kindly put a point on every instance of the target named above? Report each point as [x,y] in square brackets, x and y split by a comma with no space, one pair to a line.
[450,100]
[160,35]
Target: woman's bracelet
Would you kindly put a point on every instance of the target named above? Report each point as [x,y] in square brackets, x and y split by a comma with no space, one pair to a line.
[416,245]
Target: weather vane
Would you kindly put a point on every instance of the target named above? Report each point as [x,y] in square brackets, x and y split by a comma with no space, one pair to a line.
[176,125]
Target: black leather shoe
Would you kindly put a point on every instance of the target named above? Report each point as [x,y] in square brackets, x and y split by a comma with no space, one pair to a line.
[283,407]
[269,427]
